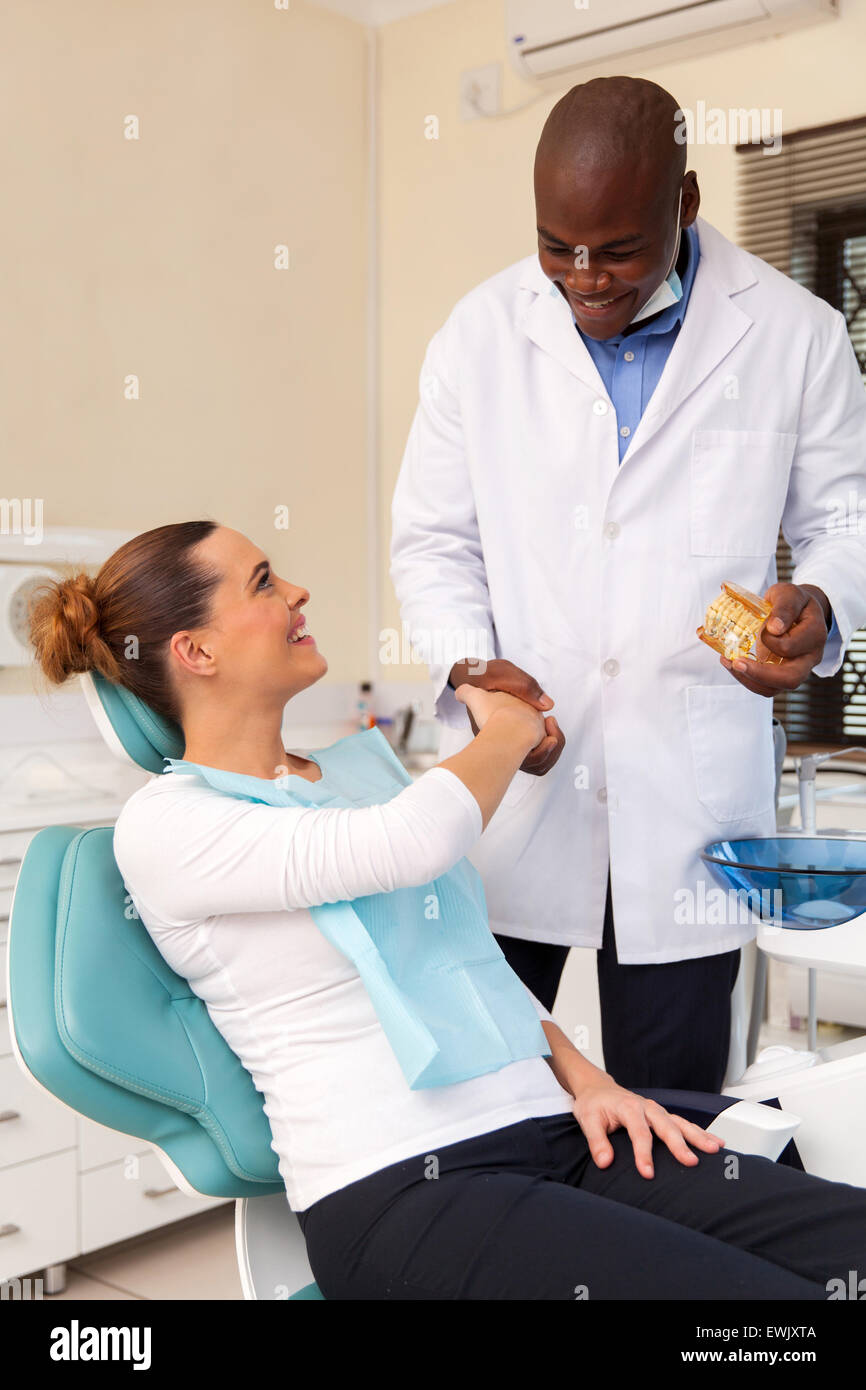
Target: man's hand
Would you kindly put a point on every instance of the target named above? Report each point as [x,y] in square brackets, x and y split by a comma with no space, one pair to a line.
[601,1107]
[796,630]
[504,675]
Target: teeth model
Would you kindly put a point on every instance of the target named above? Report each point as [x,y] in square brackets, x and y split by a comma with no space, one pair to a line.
[733,622]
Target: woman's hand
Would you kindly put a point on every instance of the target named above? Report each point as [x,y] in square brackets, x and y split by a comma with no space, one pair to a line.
[481,704]
[505,676]
[602,1107]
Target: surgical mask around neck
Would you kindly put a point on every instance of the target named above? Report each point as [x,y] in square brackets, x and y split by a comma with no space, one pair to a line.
[670,291]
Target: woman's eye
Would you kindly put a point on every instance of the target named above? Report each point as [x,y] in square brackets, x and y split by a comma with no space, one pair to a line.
[261,584]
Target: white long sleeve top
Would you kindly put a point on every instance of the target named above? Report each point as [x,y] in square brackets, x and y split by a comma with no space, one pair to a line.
[224,888]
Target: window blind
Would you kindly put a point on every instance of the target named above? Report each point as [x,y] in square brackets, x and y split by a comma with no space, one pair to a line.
[803,210]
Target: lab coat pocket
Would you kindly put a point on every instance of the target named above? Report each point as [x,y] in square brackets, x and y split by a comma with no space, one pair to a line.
[738,482]
[731,736]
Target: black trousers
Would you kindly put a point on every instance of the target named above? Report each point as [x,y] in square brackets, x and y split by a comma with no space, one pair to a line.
[665,1025]
[523,1212]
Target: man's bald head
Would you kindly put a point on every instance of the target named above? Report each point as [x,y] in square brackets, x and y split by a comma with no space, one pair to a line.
[611,197]
[615,123]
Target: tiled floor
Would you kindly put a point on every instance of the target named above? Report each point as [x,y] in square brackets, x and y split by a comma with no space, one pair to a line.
[195,1258]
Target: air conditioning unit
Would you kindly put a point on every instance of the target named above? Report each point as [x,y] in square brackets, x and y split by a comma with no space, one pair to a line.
[549,38]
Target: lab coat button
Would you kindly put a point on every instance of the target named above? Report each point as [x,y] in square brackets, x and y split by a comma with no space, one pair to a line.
[600,407]
[611,667]
[611,530]
[602,793]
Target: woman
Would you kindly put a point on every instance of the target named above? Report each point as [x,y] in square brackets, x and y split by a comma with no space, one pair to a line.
[504,1186]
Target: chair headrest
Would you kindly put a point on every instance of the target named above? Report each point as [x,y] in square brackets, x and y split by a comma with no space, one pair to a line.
[134,732]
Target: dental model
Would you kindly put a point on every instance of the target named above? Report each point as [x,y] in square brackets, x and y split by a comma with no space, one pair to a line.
[733,622]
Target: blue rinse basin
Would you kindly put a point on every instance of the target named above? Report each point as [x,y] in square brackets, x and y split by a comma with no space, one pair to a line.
[801,881]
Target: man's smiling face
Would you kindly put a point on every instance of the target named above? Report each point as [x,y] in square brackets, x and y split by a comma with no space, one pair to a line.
[608,236]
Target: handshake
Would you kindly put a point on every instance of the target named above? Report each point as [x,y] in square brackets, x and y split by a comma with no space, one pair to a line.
[503,685]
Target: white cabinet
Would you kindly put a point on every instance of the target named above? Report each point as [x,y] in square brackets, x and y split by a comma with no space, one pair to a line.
[38,1214]
[131,1195]
[32,1123]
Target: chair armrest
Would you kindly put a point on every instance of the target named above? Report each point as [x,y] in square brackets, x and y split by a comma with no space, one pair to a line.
[750,1128]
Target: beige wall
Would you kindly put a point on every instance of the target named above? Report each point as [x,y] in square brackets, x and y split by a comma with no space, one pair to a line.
[156,257]
[457,210]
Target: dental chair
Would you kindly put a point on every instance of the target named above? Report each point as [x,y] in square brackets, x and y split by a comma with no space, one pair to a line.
[99,1020]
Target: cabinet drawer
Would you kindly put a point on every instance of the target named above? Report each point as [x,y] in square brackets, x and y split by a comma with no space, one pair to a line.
[39,1199]
[5,1044]
[13,843]
[37,1124]
[131,1196]
[98,1145]
[12,846]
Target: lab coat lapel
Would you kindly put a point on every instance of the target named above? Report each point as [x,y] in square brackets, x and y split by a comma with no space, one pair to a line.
[547,321]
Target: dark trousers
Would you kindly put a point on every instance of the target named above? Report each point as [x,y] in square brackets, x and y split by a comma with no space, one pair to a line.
[665,1025]
[522,1212]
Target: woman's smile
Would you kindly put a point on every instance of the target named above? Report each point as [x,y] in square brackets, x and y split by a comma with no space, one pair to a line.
[299,635]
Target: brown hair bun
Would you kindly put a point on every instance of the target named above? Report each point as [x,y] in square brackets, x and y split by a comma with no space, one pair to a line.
[64,627]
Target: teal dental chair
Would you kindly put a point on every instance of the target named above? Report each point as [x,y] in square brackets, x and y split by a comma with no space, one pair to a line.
[99,1020]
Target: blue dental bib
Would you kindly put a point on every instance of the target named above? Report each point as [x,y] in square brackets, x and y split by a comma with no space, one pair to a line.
[449,1003]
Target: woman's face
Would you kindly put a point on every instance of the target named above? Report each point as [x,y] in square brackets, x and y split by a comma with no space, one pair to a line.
[247,646]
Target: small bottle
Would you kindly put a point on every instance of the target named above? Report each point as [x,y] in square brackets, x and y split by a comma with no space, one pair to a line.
[365,718]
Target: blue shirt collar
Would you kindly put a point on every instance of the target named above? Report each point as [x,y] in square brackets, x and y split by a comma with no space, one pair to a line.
[674,313]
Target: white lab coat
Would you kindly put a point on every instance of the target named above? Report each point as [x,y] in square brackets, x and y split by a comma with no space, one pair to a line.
[513,519]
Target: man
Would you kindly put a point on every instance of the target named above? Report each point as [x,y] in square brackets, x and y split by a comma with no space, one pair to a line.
[607,432]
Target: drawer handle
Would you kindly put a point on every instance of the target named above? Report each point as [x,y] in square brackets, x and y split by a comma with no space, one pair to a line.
[160,1191]
[10,1115]
[9,1229]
